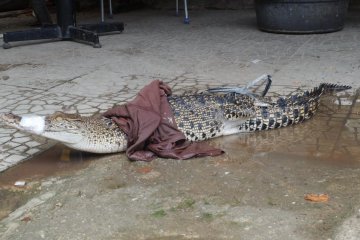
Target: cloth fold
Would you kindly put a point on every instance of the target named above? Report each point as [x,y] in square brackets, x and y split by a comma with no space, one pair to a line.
[151,128]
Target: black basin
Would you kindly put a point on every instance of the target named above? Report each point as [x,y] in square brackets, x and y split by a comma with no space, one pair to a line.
[301,16]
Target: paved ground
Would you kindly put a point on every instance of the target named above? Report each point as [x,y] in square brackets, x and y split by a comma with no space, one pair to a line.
[255,191]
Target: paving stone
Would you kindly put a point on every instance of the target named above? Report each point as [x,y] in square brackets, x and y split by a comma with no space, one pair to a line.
[13,96]
[5,139]
[52,107]
[23,107]
[3,100]
[54,101]
[98,100]
[21,148]
[8,130]
[83,106]
[38,102]
[64,98]
[14,158]
[10,102]
[93,104]
[11,144]
[21,112]
[129,95]
[68,103]
[22,139]
[47,112]
[32,151]
[105,106]
[3,155]
[32,144]
[19,135]
[36,108]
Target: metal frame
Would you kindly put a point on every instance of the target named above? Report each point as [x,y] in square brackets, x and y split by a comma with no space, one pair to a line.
[66,28]
[186,17]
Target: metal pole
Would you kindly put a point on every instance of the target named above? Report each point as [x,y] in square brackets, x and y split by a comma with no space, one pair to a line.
[65,12]
[177,7]
[110,9]
[102,10]
[186,19]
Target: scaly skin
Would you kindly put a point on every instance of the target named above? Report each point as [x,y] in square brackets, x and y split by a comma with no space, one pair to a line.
[199,117]
[205,116]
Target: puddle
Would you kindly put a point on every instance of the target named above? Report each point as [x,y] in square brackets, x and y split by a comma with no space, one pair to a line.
[332,137]
[57,160]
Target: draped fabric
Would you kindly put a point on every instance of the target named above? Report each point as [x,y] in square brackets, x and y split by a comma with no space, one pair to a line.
[151,128]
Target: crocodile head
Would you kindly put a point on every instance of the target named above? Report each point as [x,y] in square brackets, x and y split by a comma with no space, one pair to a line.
[95,134]
[62,127]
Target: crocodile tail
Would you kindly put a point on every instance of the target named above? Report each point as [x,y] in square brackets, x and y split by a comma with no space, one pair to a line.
[311,101]
[328,88]
[303,106]
[334,87]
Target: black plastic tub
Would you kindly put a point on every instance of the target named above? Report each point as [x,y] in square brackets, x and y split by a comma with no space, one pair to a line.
[301,16]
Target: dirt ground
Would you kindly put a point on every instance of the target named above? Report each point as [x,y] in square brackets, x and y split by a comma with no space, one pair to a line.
[254,191]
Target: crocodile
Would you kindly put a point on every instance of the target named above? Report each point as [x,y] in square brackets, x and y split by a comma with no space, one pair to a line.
[199,117]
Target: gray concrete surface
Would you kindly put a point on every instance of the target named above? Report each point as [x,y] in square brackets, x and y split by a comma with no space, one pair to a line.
[255,191]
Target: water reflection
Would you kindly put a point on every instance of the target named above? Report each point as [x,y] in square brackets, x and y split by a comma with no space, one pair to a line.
[331,136]
[57,160]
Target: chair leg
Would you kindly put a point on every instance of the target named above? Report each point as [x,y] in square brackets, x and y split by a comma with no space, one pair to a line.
[110,9]
[177,8]
[186,19]
[102,10]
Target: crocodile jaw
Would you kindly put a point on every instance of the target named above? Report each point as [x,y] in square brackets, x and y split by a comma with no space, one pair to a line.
[37,125]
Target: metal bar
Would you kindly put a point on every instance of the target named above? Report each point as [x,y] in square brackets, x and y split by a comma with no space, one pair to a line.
[102,10]
[110,9]
[84,36]
[186,19]
[49,32]
[65,12]
[177,8]
[104,27]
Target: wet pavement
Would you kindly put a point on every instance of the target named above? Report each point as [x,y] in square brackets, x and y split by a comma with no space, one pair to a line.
[254,191]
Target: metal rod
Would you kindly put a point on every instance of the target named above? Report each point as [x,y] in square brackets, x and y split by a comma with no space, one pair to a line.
[186,12]
[110,8]
[177,7]
[102,10]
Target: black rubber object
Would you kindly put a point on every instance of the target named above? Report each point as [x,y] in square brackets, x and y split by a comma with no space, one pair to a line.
[301,16]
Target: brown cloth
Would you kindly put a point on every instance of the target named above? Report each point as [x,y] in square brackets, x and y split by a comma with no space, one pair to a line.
[151,129]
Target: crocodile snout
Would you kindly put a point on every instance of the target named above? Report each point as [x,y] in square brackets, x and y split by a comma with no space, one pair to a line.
[10,118]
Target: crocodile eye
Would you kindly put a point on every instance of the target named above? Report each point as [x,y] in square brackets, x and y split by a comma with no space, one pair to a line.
[59,118]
